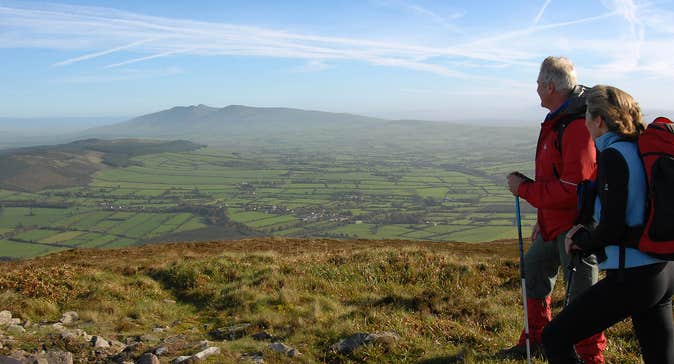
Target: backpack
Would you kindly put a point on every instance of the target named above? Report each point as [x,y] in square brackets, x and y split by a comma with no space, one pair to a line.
[656,147]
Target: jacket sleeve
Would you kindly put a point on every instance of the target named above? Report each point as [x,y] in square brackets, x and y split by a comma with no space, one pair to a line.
[578,164]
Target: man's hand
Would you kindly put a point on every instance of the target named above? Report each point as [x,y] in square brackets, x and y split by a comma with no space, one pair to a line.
[568,241]
[514,181]
[535,231]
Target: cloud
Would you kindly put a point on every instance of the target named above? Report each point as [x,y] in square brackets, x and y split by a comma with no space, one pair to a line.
[628,59]
[420,10]
[434,17]
[100,32]
[538,28]
[125,74]
[71,27]
[313,66]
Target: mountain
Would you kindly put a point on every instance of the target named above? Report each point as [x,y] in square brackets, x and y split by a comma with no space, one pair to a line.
[202,120]
[65,165]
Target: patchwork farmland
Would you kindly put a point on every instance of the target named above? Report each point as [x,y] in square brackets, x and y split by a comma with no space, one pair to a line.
[217,193]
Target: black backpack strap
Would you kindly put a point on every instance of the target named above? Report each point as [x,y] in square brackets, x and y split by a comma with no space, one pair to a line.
[561,125]
[586,192]
[621,263]
[630,239]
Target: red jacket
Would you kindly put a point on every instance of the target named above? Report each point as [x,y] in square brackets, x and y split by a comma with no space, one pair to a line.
[554,191]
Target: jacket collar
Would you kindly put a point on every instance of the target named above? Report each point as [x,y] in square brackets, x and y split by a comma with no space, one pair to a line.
[575,104]
[606,140]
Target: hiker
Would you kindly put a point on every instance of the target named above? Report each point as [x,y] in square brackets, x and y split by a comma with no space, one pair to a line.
[565,156]
[643,288]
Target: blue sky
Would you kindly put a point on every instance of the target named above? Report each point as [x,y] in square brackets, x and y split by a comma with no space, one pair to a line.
[436,60]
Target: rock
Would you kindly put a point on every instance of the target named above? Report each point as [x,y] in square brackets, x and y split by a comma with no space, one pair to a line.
[15,321]
[100,342]
[15,330]
[386,338]
[75,336]
[198,356]
[69,337]
[284,349]
[261,336]
[161,350]
[231,332]
[5,318]
[279,347]
[128,353]
[204,344]
[354,341]
[134,346]
[256,358]
[59,357]
[117,346]
[213,350]
[69,318]
[181,359]
[148,358]
[350,344]
[9,360]
[169,301]
[158,330]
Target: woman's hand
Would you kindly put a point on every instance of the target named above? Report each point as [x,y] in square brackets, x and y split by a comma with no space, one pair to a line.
[568,241]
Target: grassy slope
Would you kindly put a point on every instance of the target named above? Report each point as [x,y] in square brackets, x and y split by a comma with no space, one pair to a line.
[449,302]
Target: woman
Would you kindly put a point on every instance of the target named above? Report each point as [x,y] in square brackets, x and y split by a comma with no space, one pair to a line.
[643,289]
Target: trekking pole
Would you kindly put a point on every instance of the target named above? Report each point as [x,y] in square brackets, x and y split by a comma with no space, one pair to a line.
[522,275]
[572,269]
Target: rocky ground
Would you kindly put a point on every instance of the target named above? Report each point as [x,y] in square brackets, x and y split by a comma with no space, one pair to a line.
[57,338]
[271,301]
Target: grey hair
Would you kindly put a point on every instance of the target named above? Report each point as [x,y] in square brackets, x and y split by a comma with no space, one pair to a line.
[560,72]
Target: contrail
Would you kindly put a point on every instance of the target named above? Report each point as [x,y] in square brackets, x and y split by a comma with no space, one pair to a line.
[164,54]
[540,12]
[101,53]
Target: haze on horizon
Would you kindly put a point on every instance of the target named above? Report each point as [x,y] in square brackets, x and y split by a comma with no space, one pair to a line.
[396,59]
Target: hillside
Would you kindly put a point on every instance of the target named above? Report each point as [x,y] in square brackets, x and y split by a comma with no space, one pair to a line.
[68,165]
[420,302]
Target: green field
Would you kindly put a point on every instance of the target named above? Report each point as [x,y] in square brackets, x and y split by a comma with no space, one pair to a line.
[421,189]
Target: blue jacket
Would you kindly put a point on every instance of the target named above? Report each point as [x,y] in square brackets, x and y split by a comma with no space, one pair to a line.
[636,200]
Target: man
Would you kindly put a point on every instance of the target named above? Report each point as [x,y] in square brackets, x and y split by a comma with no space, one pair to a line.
[565,156]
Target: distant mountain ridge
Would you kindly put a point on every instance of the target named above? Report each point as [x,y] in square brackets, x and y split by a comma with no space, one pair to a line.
[200,119]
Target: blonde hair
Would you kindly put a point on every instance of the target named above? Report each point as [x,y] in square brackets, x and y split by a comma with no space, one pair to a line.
[560,72]
[617,108]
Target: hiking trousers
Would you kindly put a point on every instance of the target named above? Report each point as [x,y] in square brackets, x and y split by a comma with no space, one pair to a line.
[542,262]
[644,293]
